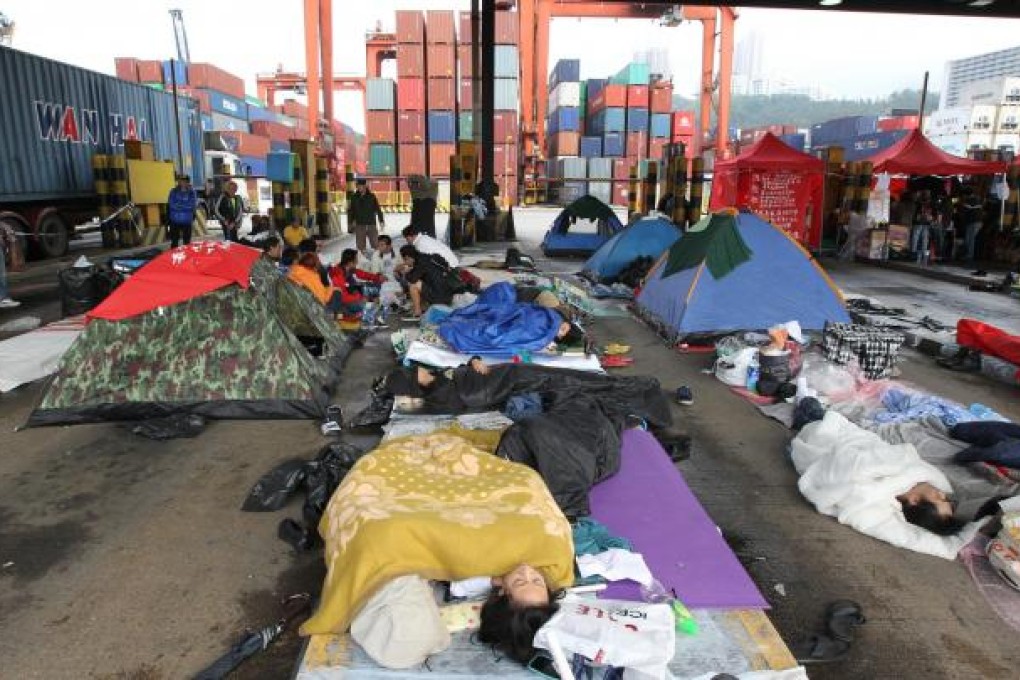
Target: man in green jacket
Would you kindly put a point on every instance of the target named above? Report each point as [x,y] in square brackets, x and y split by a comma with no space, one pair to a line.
[361,217]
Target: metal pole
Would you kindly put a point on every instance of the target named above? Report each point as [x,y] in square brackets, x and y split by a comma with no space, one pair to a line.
[488,44]
[476,72]
[924,100]
[177,118]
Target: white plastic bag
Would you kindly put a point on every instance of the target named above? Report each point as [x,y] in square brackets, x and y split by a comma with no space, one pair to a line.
[632,635]
[732,370]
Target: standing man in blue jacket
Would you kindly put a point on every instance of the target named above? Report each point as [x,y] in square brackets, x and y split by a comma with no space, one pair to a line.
[181,208]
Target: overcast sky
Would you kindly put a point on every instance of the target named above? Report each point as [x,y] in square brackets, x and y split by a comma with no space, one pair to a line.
[855,55]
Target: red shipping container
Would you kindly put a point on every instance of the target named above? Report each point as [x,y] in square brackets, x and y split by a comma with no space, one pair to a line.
[792,129]
[278,132]
[611,96]
[637,96]
[655,148]
[200,96]
[411,128]
[296,109]
[381,186]
[621,193]
[504,159]
[896,123]
[637,144]
[127,68]
[411,159]
[411,94]
[380,127]
[464,60]
[565,144]
[410,61]
[442,61]
[439,28]
[209,76]
[245,143]
[683,124]
[507,28]
[661,98]
[464,19]
[466,93]
[504,127]
[621,168]
[442,96]
[410,26]
[150,72]
[439,159]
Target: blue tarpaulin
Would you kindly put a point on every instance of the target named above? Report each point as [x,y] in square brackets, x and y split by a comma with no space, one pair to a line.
[497,324]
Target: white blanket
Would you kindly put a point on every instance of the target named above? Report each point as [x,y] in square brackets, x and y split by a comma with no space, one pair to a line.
[36,354]
[431,355]
[853,475]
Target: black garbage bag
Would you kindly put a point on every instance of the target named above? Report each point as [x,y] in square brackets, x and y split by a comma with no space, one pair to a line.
[323,475]
[177,426]
[82,288]
[273,489]
[375,415]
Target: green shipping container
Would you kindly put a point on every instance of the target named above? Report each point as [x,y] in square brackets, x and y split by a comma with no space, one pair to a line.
[583,113]
[156,86]
[466,126]
[382,159]
[632,74]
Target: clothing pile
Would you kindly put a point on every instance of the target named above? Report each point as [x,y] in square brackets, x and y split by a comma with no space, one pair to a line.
[875,349]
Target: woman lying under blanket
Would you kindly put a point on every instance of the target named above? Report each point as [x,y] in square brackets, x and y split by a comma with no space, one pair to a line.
[440,507]
[574,443]
[884,490]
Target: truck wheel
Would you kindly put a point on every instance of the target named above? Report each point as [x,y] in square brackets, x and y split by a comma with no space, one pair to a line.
[52,236]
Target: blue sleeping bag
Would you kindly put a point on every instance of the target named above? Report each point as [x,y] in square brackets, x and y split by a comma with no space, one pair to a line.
[497,324]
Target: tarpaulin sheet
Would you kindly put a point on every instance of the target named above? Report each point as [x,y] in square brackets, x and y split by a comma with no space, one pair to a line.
[497,324]
[649,503]
[988,340]
[36,354]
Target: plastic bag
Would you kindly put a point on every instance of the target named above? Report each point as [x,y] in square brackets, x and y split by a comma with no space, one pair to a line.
[82,288]
[729,346]
[827,378]
[273,489]
[181,425]
[732,370]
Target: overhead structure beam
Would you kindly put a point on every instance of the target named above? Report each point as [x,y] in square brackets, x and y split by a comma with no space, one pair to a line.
[313,83]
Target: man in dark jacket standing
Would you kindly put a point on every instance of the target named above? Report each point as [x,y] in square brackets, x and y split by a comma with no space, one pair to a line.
[230,211]
[361,217]
[181,205]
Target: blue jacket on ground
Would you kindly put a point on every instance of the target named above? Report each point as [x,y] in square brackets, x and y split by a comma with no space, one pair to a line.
[181,205]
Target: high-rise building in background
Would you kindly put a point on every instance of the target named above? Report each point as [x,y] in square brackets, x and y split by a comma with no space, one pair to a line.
[752,78]
[657,59]
[749,57]
[963,73]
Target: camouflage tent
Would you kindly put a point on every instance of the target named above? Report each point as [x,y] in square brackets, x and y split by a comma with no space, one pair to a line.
[234,352]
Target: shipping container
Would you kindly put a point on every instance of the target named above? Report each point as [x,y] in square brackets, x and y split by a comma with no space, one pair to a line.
[602,191]
[410,61]
[565,71]
[206,122]
[594,86]
[411,94]
[439,27]
[637,120]
[441,61]
[410,26]
[179,71]
[660,125]
[442,127]
[442,96]
[126,68]
[569,192]
[637,145]
[591,147]
[607,121]
[466,93]
[464,19]
[296,110]
[253,166]
[465,126]
[621,194]
[464,61]
[564,144]
[380,94]
[55,117]
[223,122]
[382,159]
[621,168]
[382,187]
[225,104]
[507,62]
[566,94]
[661,98]
[637,96]
[150,71]
[632,74]
[825,134]
[572,168]
[508,91]
[504,159]
[256,113]
[439,159]
[245,143]
[600,168]
[797,141]
[897,123]
[610,96]
[380,127]
[683,124]
[278,146]
[210,77]
[411,127]
[564,120]
[504,127]
[412,159]
[614,144]
[655,147]
[864,146]
[507,28]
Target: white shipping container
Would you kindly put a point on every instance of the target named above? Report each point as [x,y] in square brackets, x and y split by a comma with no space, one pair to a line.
[1008,120]
[565,95]
[571,191]
[947,122]
[954,144]
[1004,141]
[982,118]
[573,167]
[600,168]
[602,191]
[990,92]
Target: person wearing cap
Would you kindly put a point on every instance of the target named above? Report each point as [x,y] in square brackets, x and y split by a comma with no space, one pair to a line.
[181,205]
[361,217]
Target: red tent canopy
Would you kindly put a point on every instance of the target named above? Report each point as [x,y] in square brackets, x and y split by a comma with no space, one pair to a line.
[779,183]
[179,275]
[915,155]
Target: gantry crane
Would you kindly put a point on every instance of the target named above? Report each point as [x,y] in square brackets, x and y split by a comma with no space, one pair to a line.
[180,36]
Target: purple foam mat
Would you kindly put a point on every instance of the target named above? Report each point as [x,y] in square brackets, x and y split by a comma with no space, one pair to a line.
[649,503]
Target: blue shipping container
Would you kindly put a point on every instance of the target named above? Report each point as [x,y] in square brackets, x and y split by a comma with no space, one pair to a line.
[54,117]
[221,122]
[659,125]
[595,86]
[507,63]
[864,146]
[565,71]
[796,141]
[180,71]
[227,105]
[253,166]
[442,127]
[608,120]
[637,119]
[614,144]
[567,119]
[207,124]
[260,113]
[591,147]
[280,167]
[832,131]
[380,94]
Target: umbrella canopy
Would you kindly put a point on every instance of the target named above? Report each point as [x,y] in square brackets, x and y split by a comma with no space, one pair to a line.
[915,155]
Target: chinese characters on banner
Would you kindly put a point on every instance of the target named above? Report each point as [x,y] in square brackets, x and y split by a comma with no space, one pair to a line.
[782,198]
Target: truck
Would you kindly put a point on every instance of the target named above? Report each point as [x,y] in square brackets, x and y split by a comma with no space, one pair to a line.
[54,118]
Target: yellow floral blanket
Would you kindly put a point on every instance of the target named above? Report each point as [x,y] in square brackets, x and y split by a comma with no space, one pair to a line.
[440,506]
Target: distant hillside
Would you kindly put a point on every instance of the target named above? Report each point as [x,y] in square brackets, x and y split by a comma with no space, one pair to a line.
[803,112]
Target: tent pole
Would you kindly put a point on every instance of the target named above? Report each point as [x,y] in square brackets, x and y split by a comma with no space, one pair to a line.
[924,101]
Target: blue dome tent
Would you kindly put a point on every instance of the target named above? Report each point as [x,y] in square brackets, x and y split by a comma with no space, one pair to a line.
[735,272]
[560,241]
[648,237]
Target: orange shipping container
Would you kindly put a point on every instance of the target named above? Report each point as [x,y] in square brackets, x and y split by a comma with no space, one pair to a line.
[637,96]
[270,129]
[464,60]
[441,94]
[507,28]
[127,68]
[411,159]
[466,93]
[442,61]
[655,148]
[214,78]
[293,107]
[439,159]
[245,143]
[410,61]
[621,168]
[380,127]
[150,71]
[621,193]
[611,96]
[411,94]
[465,27]
[637,144]
[504,159]
[410,26]
[565,144]
[683,124]
[439,28]
[661,98]
[504,127]
[411,128]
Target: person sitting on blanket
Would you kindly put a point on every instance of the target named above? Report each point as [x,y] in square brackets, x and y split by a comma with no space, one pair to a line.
[429,279]
[355,284]
[305,273]
[440,506]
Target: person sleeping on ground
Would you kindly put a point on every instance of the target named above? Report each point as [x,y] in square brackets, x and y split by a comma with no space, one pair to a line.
[440,507]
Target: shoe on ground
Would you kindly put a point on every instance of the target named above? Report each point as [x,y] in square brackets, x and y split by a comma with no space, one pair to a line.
[8,303]
[684,395]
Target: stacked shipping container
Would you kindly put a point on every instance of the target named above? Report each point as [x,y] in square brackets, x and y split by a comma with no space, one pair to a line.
[441,71]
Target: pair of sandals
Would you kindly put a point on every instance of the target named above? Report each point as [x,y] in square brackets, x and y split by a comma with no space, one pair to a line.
[841,618]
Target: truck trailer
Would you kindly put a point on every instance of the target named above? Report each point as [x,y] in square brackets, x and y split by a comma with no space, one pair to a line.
[54,118]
